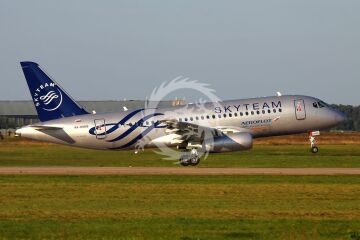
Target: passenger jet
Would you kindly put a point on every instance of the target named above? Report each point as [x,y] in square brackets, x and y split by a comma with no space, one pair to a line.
[219,126]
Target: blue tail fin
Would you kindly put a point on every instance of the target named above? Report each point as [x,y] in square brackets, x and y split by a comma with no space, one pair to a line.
[51,102]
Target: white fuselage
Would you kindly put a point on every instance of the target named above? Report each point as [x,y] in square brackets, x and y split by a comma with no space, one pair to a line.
[261,117]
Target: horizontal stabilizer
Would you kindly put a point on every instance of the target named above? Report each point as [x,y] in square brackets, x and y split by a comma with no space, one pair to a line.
[43,127]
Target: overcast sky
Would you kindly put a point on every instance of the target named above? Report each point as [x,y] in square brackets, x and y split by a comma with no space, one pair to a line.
[108,50]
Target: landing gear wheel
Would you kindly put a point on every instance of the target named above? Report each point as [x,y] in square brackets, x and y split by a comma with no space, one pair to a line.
[194,161]
[312,139]
[190,158]
[184,162]
[194,157]
[185,159]
[314,149]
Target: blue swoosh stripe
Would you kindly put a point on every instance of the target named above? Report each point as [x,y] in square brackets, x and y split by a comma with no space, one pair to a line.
[138,137]
[129,116]
[133,127]
[116,125]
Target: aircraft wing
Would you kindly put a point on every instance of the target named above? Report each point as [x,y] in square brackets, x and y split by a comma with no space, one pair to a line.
[188,131]
[194,133]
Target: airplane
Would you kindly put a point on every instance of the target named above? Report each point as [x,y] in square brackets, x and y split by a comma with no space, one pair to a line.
[217,127]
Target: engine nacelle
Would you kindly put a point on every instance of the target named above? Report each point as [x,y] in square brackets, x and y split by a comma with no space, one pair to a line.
[229,142]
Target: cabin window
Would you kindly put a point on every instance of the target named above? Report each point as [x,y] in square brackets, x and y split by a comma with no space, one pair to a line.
[269,111]
[235,114]
[263,111]
[197,118]
[224,115]
[280,110]
[274,110]
[219,116]
[241,114]
[246,113]
[252,112]
[207,116]
[202,117]
[213,116]
[186,119]
[191,118]
[180,119]
[258,112]
[230,115]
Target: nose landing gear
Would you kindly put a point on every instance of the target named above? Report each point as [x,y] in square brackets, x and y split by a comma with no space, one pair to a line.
[314,149]
[312,139]
[190,158]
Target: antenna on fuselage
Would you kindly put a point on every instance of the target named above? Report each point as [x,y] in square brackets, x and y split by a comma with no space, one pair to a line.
[278,94]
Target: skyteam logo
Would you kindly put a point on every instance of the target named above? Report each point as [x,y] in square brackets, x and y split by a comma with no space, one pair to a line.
[48,97]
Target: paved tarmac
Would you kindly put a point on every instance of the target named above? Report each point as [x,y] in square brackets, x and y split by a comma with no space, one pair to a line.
[175,171]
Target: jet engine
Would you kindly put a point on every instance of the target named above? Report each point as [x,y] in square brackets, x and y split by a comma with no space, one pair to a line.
[229,142]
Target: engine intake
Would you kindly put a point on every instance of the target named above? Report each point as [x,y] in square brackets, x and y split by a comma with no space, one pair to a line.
[229,142]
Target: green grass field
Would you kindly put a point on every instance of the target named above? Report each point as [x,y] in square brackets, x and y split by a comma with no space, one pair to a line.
[13,154]
[179,207]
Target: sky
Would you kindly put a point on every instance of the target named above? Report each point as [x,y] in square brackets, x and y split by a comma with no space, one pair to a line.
[114,50]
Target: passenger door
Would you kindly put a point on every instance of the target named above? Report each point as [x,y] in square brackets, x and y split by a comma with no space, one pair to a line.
[300,111]
[100,128]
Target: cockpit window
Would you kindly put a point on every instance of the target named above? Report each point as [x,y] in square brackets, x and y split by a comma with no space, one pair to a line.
[322,104]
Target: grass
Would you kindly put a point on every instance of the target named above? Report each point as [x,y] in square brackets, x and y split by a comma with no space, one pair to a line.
[36,154]
[179,207]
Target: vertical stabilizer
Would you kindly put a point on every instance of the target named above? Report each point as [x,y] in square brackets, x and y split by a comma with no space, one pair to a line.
[51,102]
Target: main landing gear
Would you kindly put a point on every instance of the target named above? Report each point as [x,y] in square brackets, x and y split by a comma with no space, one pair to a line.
[312,139]
[190,158]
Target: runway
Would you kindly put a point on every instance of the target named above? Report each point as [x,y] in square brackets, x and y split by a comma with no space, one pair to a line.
[174,171]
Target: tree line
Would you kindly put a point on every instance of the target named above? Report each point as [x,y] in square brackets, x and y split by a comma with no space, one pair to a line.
[352,122]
